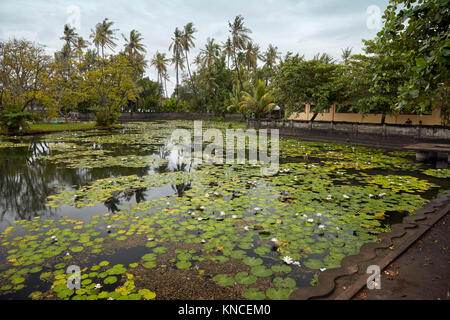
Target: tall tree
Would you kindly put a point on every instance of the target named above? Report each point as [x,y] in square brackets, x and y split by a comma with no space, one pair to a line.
[103,36]
[70,35]
[177,58]
[252,54]
[210,53]
[346,54]
[239,38]
[227,50]
[160,63]
[80,44]
[270,58]
[188,43]
[133,44]
[135,51]
[418,31]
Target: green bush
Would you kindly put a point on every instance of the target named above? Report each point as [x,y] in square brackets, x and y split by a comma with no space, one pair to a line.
[172,105]
[106,119]
[14,119]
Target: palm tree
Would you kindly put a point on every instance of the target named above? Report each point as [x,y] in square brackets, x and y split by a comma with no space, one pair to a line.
[70,36]
[103,36]
[80,45]
[346,53]
[210,53]
[160,62]
[135,51]
[270,58]
[252,55]
[177,49]
[227,50]
[188,43]
[133,45]
[324,58]
[239,39]
[259,100]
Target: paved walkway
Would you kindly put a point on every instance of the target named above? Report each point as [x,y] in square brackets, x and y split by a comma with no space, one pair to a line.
[420,273]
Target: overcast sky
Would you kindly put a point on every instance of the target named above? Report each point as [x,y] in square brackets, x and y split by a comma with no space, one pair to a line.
[302,26]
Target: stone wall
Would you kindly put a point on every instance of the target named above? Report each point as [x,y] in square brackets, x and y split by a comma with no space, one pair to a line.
[147,116]
[361,130]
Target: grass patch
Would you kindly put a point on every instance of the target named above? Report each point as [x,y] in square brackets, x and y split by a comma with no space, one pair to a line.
[51,127]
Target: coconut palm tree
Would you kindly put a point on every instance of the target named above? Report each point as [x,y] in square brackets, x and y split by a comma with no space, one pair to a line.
[227,50]
[70,36]
[188,42]
[270,58]
[103,36]
[252,55]
[259,100]
[160,63]
[177,49]
[210,53]
[346,53]
[239,38]
[80,45]
[324,58]
[133,44]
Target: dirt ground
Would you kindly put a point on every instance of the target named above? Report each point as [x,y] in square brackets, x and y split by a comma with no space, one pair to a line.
[420,273]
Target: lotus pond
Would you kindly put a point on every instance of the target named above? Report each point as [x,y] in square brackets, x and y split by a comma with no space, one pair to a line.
[140,225]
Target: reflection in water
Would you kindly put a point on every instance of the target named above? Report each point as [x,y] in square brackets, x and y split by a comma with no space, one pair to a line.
[26,180]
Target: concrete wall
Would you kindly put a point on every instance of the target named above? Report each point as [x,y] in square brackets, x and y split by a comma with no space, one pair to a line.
[143,116]
[367,131]
[431,120]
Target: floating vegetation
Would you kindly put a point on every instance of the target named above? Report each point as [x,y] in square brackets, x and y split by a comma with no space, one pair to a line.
[246,235]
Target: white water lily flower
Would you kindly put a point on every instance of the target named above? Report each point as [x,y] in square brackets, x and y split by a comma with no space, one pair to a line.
[53,237]
[323,269]
[346,196]
[234,216]
[108,227]
[274,240]
[305,216]
[257,209]
[337,228]
[319,214]
[321,226]
[297,263]
[310,220]
[288,260]
[199,218]
[382,195]
[222,213]
[203,241]
[98,286]
[192,213]
[207,195]
[110,298]
[67,254]
[330,197]
[246,228]
[370,195]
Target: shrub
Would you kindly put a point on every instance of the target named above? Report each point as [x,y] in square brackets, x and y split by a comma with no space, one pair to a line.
[14,119]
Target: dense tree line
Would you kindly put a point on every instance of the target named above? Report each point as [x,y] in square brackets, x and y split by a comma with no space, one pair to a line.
[404,69]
